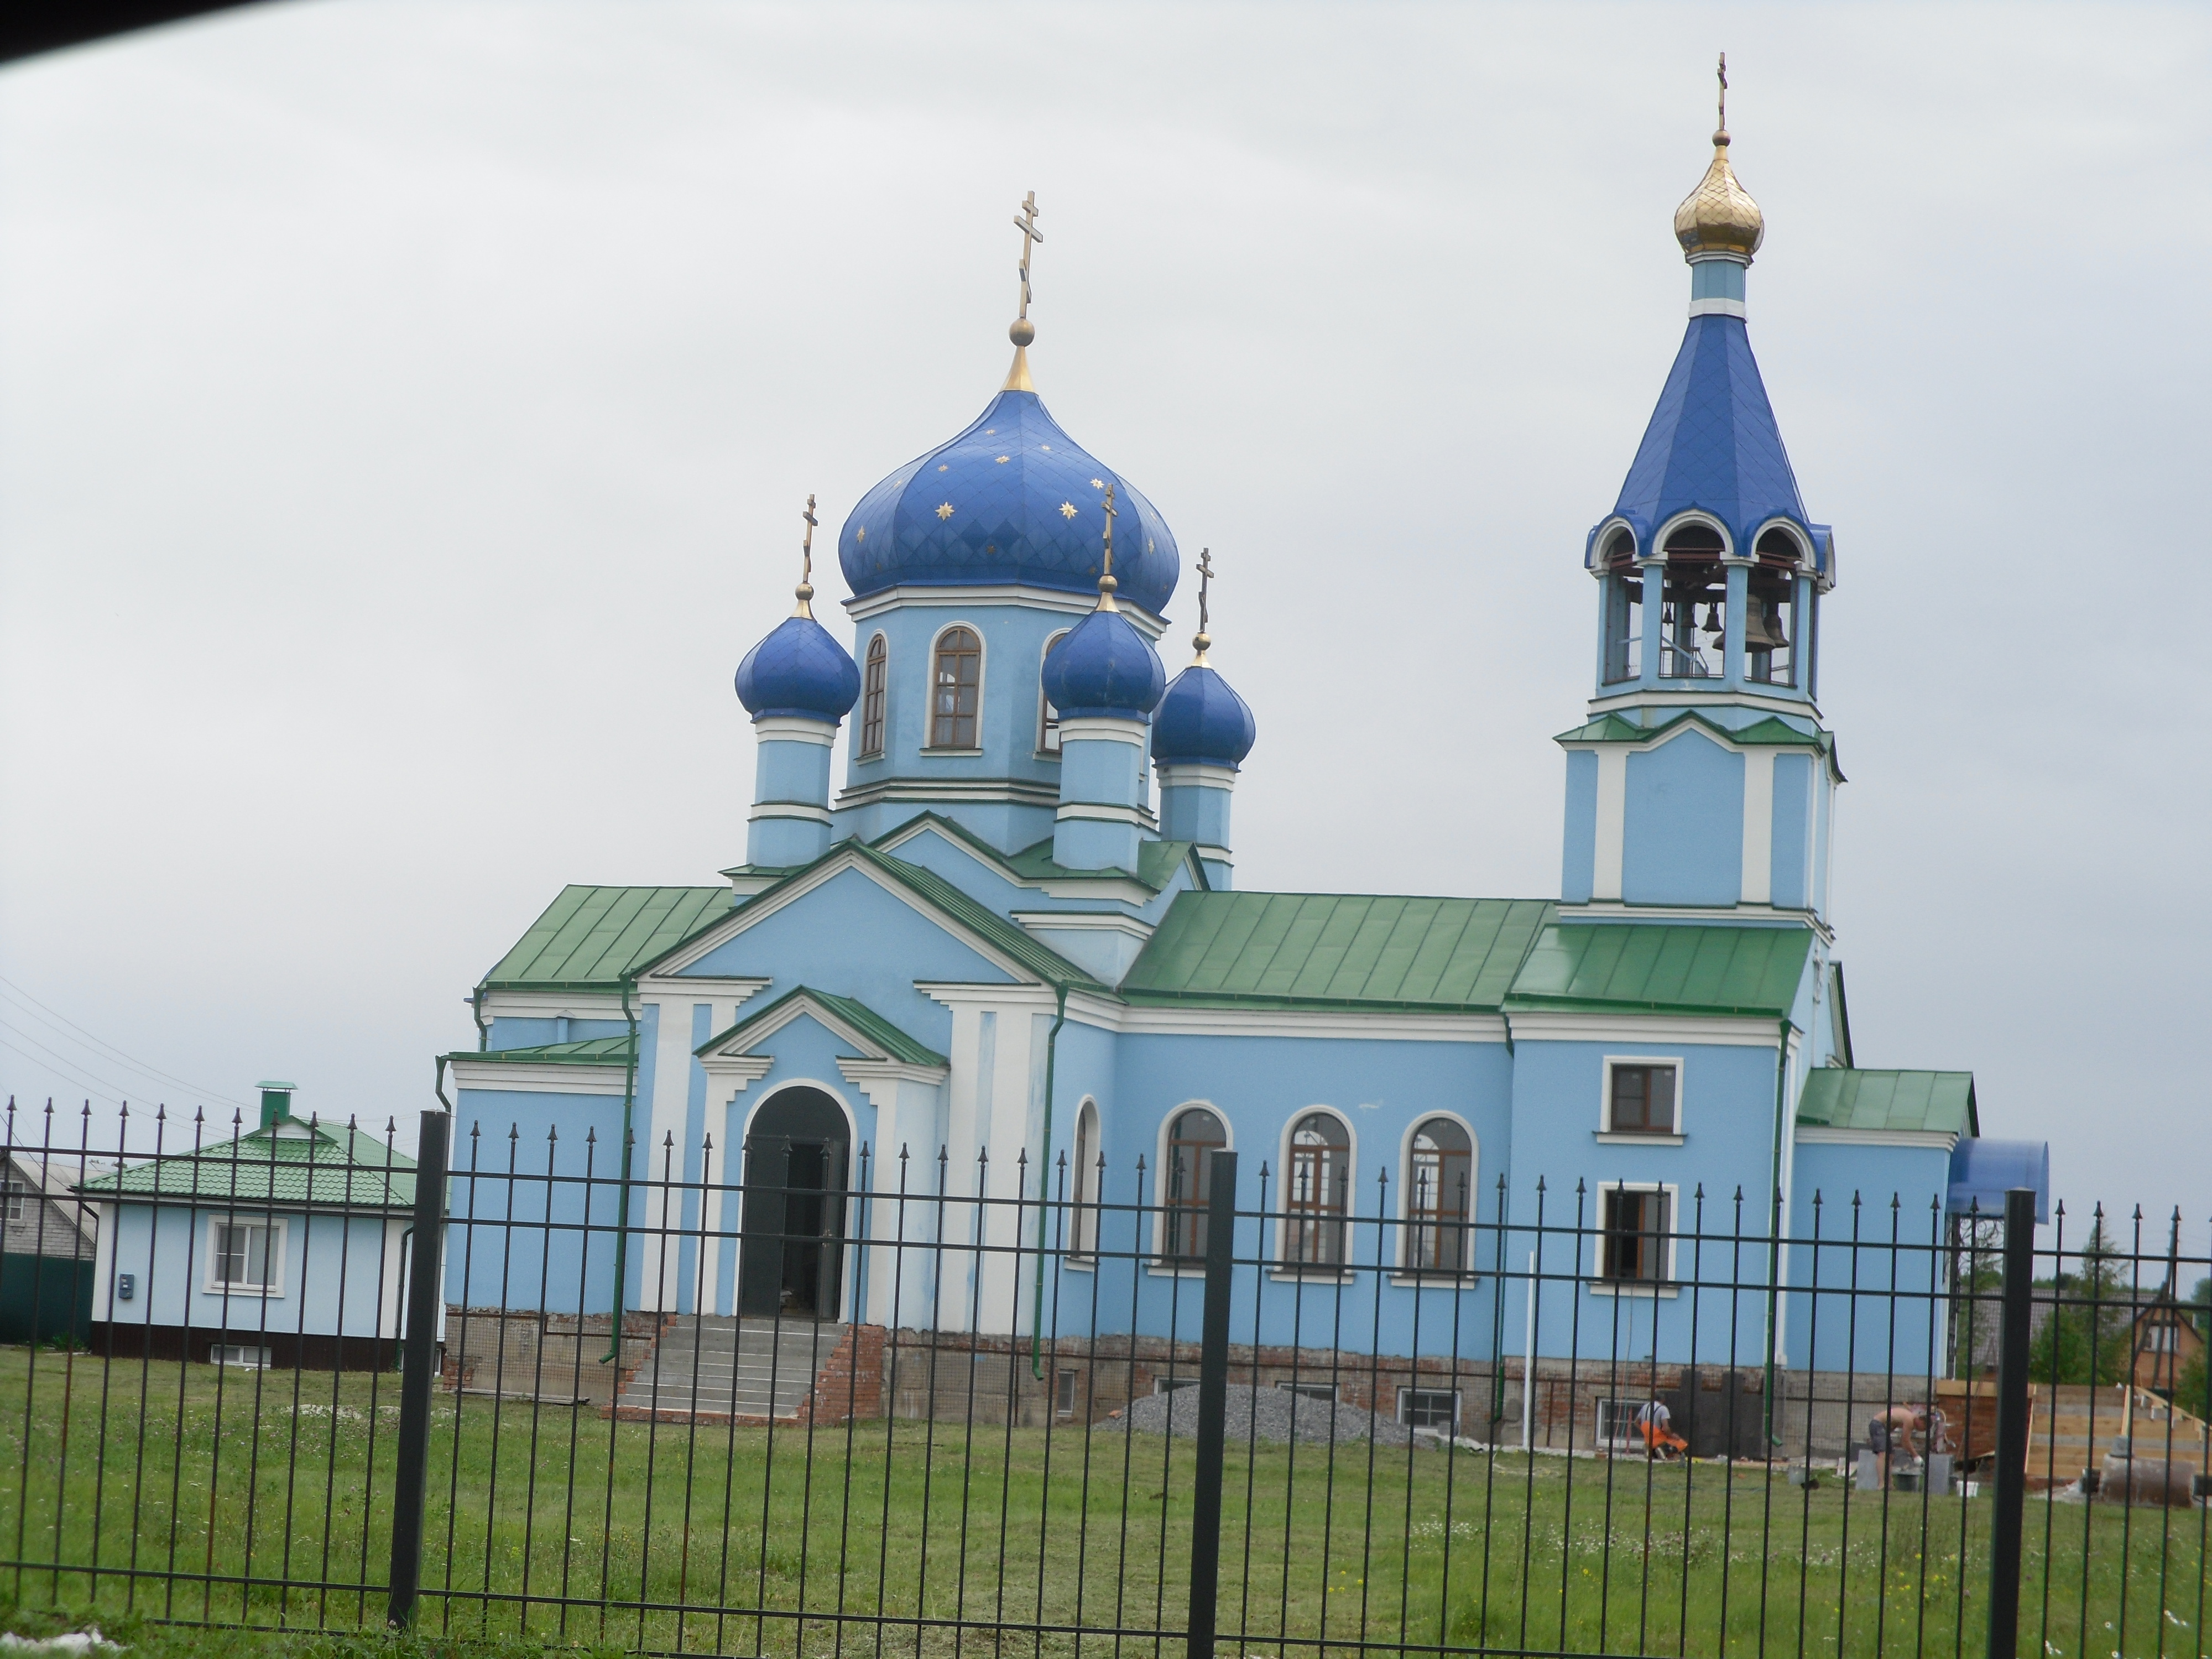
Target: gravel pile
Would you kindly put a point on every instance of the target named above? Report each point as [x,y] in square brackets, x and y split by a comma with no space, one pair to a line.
[1261,1415]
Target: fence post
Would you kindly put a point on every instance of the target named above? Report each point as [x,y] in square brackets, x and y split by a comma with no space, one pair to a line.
[425,1292]
[2012,1424]
[1213,1401]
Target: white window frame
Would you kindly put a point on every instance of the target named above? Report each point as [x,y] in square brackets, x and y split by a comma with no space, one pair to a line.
[929,689]
[1607,1133]
[1404,1269]
[1066,1392]
[1157,1261]
[1619,1409]
[1405,1392]
[1048,716]
[1284,1267]
[1084,1196]
[16,1193]
[1670,1285]
[279,1253]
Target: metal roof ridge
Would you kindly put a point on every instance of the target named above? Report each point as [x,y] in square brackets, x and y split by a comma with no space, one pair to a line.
[887,1034]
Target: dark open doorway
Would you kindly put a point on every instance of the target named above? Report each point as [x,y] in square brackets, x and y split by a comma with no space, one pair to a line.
[791,1256]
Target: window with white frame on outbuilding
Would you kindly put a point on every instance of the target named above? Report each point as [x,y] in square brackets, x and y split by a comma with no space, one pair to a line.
[245,1255]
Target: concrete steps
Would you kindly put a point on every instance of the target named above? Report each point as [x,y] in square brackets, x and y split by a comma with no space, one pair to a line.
[715,1368]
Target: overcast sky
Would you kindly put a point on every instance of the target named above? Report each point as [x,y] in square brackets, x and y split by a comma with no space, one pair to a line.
[405,408]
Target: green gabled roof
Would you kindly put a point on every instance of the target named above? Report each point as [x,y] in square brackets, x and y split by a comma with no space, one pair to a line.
[1837,1097]
[1275,950]
[1661,967]
[1771,730]
[588,1051]
[1157,863]
[858,1015]
[1041,960]
[590,937]
[325,1167]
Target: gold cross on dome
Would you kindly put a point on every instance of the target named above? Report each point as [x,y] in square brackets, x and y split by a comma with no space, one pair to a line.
[1025,222]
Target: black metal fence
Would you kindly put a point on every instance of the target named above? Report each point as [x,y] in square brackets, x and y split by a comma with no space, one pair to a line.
[817,1404]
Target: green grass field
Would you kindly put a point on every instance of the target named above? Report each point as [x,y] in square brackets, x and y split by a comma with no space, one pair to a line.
[241,1497]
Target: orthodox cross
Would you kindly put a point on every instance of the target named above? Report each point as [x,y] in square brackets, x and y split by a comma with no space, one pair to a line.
[806,556]
[1205,580]
[1724,75]
[1026,223]
[1106,582]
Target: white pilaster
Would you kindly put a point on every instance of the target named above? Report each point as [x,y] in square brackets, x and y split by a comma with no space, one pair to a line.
[1758,826]
[1612,820]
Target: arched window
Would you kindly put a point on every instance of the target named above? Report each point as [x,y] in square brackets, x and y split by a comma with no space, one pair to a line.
[1769,620]
[1439,1198]
[872,687]
[1084,1182]
[1696,602]
[955,680]
[1317,1192]
[1193,1139]
[1048,716]
[1624,610]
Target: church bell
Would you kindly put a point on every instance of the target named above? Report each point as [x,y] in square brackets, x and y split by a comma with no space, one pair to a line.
[1762,629]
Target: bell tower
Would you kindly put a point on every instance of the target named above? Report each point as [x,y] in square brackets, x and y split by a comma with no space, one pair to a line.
[1703,779]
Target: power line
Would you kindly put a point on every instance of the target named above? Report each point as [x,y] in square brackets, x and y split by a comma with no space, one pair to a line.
[108,1049]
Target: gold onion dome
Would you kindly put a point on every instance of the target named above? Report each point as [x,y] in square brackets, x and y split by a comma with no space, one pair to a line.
[1719,216]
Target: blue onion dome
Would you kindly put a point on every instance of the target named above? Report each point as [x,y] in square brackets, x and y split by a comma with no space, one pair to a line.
[1202,722]
[1010,500]
[798,673]
[1103,667]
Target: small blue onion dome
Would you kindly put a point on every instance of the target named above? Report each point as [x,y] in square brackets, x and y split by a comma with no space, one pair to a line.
[1103,667]
[1202,722]
[798,673]
[1010,500]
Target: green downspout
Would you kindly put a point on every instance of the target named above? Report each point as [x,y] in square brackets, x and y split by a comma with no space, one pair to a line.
[622,1221]
[476,1012]
[1774,1217]
[1044,1174]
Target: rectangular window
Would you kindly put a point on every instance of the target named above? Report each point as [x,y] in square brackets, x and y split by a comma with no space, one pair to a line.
[245,1257]
[1634,1225]
[1616,1424]
[1169,1384]
[14,1193]
[1311,1391]
[1642,1100]
[1063,1399]
[237,1353]
[1429,1408]
[2161,1339]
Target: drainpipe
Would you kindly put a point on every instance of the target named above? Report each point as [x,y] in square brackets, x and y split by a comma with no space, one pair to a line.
[621,1222]
[1044,1174]
[1774,1217]
[476,1012]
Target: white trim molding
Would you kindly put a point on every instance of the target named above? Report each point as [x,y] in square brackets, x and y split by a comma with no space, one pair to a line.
[1101,728]
[1820,1134]
[1029,598]
[1099,812]
[1193,774]
[789,809]
[789,728]
[1717,307]
[601,1080]
[1724,1030]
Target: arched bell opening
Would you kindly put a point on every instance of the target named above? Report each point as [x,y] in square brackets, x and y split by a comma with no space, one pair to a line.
[1694,624]
[1771,624]
[1624,609]
[791,1254]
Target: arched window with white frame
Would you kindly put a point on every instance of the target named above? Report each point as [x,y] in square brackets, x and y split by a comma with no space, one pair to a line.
[1085,1181]
[1624,609]
[1439,1197]
[956,689]
[1194,1135]
[1317,1191]
[1770,619]
[875,688]
[1693,626]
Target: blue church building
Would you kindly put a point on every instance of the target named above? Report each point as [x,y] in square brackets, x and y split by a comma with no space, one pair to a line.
[1006,958]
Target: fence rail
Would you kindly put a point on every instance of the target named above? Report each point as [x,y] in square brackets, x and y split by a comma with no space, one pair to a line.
[815,1403]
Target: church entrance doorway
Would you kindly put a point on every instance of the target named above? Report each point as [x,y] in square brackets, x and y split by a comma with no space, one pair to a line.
[791,1254]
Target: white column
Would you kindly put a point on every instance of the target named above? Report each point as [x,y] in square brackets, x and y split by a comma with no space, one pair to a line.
[1612,821]
[1758,826]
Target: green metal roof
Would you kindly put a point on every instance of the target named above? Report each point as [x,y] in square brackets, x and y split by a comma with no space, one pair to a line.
[1273,949]
[1157,863]
[589,1051]
[1769,730]
[1837,1097]
[590,937]
[862,1019]
[325,1167]
[1663,967]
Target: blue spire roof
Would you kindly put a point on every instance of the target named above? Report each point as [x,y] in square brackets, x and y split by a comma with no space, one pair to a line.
[1713,445]
[797,672]
[1202,720]
[1102,666]
[1011,499]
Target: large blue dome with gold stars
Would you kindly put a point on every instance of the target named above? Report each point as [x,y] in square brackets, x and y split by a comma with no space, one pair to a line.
[1010,500]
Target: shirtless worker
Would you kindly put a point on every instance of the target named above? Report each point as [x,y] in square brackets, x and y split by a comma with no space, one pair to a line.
[1892,1430]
